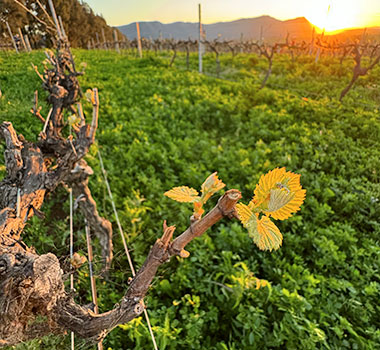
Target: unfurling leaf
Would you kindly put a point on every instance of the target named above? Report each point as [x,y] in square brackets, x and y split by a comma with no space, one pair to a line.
[211,185]
[268,235]
[246,216]
[279,194]
[190,195]
[183,194]
[264,232]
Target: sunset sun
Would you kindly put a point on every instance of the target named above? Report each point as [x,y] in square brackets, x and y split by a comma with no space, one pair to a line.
[336,15]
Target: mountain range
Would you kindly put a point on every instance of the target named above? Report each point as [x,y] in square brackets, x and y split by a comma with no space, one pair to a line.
[264,27]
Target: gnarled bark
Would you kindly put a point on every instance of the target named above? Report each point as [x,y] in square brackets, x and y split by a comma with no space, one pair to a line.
[358,69]
[33,302]
[78,181]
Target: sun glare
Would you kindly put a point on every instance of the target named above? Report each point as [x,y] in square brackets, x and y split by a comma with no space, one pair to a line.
[334,15]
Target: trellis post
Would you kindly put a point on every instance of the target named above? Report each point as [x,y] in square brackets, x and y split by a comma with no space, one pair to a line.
[200,53]
[27,43]
[55,19]
[312,42]
[104,40]
[139,39]
[90,258]
[22,39]
[97,40]
[12,38]
[117,48]
[61,26]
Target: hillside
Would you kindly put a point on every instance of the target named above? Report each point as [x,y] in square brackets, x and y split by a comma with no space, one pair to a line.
[251,28]
[372,33]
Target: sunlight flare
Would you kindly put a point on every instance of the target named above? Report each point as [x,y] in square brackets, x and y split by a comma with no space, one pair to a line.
[336,15]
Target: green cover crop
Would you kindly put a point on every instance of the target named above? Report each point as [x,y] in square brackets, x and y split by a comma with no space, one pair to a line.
[161,127]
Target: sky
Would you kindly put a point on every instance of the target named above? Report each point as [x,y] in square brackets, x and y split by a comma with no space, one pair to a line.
[341,14]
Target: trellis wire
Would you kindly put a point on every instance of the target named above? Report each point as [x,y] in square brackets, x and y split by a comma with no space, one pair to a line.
[125,243]
[92,278]
[116,215]
[71,254]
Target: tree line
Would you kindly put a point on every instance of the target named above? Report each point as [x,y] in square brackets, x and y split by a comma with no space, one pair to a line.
[79,21]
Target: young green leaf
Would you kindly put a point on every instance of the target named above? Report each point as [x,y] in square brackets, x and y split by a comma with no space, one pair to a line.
[267,236]
[190,195]
[211,185]
[278,194]
[264,232]
[183,194]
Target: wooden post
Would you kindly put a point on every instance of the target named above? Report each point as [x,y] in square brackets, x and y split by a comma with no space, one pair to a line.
[27,42]
[71,249]
[150,43]
[61,25]
[22,39]
[97,40]
[160,37]
[12,38]
[319,49]
[363,37]
[52,10]
[104,40]
[139,39]
[312,42]
[92,277]
[117,48]
[200,53]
